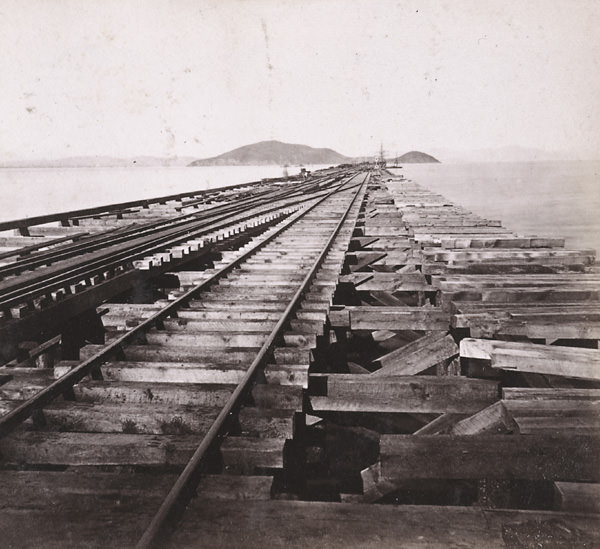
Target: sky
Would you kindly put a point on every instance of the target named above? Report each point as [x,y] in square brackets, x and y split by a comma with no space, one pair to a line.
[200,77]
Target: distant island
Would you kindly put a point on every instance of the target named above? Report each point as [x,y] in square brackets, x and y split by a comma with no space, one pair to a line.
[264,153]
[273,153]
[416,157]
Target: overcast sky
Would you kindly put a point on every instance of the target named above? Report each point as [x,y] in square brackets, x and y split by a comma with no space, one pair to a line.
[199,77]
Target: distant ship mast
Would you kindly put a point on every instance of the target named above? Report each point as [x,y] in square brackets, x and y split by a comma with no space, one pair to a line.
[380,160]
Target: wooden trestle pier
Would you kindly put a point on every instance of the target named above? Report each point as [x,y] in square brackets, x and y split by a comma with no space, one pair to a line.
[350,360]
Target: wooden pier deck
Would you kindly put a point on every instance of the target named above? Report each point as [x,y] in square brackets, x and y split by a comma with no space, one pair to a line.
[350,360]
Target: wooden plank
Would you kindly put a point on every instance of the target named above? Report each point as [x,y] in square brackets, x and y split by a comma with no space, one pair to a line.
[391,282]
[385,298]
[532,457]
[380,230]
[441,424]
[466,221]
[34,489]
[361,260]
[514,242]
[544,256]
[256,313]
[521,393]
[498,268]
[524,294]
[129,418]
[550,425]
[405,394]
[158,353]
[417,356]
[391,318]
[515,279]
[456,283]
[323,524]
[47,448]
[553,407]
[281,397]
[392,242]
[551,330]
[248,455]
[266,423]
[191,372]
[158,394]
[505,322]
[225,325]
[53,525]
[577,365]
[362,242]
[577,497]
[207,340]
[489,420]
[530,357]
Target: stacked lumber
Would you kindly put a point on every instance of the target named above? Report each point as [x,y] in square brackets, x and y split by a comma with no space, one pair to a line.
[533,306]
[438,384]
[461,396]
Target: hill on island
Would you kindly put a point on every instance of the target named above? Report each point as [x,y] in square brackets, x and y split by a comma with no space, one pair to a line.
[273,153]
[416,157]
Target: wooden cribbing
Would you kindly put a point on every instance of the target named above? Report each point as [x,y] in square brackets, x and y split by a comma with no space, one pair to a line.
[50,448]
[248,455]
[113,417]
[490,420]
[542,256]
[190,372]
[511,242]
[311,524]
[577,497]
[390,318]
[441,424]
[392,282]
[530,357]
[417,356]
[532,457]
[522,393]
[553,416]
[405,394]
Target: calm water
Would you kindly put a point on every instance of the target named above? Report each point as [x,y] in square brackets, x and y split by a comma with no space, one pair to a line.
[543,198]
[34,191]
[531,198]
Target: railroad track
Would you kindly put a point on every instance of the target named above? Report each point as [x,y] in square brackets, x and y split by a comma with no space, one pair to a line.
[42,289]
[199,395]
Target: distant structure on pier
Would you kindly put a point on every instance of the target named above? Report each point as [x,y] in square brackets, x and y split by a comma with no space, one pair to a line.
[380,159]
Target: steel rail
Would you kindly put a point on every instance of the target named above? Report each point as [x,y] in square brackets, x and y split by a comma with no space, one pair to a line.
[97,242]
[25,250]
[9,421]
[181,486]
[21,292]
[24,223]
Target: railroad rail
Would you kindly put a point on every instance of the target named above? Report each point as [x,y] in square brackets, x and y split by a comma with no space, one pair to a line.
[41,291]
[73,217]
[311,236]
[348,360]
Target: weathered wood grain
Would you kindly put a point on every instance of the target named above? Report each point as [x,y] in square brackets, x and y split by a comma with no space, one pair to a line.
[532,457]
[405,394]
[305,524]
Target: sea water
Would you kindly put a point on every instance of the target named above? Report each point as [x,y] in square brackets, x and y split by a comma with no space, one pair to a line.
[542,198]
[25,192]
[530,198]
